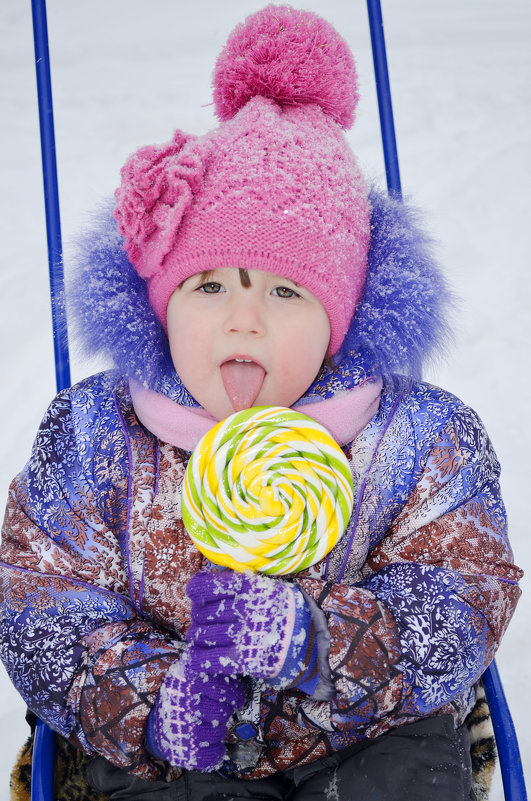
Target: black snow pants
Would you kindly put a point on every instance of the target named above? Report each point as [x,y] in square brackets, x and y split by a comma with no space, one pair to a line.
[424,761]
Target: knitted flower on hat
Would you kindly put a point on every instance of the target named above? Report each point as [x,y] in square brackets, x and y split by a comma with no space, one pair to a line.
[275,187]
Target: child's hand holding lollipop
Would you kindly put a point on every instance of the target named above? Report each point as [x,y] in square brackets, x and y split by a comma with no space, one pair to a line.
[268,490]
[252,625]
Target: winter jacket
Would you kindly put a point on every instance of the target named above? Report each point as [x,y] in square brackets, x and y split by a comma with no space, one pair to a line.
[95,561]
[95,558]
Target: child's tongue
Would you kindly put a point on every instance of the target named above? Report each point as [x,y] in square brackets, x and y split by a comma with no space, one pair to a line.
[243,382]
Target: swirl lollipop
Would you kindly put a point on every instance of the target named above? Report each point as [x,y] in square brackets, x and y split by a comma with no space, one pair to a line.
[267,490]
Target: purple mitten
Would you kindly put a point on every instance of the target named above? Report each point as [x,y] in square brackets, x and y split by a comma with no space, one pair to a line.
[187,726]
[244,623]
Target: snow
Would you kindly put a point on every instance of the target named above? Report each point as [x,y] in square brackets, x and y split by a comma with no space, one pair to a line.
[127,73]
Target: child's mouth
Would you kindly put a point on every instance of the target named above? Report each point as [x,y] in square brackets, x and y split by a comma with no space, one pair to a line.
[242,379]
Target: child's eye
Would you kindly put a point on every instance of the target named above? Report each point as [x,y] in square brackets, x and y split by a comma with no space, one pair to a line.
[285,292]
[211,287]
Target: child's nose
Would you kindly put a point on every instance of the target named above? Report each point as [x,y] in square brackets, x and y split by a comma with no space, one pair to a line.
[246,315]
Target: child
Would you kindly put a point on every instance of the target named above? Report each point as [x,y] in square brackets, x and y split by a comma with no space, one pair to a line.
[252,266]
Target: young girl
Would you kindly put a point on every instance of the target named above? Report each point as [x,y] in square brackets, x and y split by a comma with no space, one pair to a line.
[252,266]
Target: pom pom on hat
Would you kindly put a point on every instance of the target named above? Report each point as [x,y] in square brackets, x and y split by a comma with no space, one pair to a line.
[294,57]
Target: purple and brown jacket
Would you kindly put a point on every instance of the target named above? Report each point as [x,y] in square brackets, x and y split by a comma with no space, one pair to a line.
[95,559]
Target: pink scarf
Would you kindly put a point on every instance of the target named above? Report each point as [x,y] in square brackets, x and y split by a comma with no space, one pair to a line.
[344,416]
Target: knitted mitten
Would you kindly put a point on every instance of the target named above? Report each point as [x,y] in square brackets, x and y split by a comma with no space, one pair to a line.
[187,726]
[244,623]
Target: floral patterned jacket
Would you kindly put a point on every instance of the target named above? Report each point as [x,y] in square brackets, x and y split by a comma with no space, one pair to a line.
[95,562]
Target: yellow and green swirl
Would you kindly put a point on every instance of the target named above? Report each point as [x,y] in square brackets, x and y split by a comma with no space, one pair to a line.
[267,490]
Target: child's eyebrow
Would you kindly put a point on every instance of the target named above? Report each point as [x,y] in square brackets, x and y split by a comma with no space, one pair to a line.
[244,278]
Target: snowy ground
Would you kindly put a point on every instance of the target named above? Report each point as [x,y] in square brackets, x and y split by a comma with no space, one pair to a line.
[127,72]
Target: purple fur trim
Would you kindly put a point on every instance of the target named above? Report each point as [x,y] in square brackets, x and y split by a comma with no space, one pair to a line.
[111,314]
[400,324]
[402,319]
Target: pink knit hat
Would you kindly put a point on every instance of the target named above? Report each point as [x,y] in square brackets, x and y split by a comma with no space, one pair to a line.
[275,187]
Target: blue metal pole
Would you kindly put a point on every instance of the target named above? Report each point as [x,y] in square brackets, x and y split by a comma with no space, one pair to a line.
[383,91]
[43,762]
[42,767]
[506,740]
[51,194]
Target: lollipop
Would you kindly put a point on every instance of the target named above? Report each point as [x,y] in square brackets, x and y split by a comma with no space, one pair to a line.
[267,490]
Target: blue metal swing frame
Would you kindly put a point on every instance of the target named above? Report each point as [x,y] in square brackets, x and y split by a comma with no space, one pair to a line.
[42,776]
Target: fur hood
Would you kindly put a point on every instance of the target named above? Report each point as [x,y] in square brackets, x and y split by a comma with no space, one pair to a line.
[400,324]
